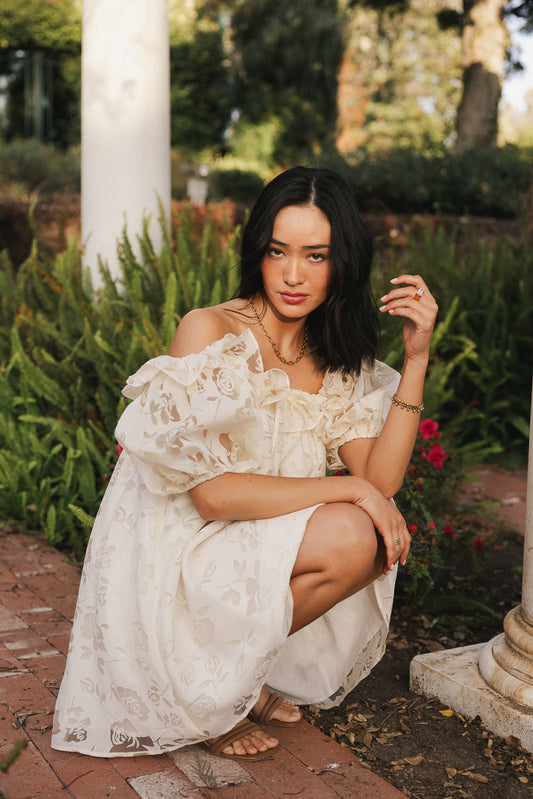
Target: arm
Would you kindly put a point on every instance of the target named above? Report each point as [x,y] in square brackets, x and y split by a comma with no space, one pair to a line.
[234,496]
[384,460]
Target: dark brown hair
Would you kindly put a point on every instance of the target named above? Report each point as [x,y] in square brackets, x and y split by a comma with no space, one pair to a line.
[344,329]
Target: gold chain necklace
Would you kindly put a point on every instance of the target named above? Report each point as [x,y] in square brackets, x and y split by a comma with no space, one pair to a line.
[275,346]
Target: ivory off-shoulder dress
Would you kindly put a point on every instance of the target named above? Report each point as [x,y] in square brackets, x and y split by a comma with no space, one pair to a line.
[180,622]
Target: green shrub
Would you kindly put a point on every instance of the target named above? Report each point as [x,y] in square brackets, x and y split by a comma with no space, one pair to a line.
[479,381]
[491,182]
[241,186]
[66,354]
[425,500]
[30,166]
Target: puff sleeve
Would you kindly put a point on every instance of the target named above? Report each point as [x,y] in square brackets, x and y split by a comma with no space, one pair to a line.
[359,407]
[193,418]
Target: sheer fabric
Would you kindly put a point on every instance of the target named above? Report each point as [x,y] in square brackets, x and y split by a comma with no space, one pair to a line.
[180,622]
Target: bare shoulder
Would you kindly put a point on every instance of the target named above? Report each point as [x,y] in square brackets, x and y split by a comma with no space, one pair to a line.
[203,326]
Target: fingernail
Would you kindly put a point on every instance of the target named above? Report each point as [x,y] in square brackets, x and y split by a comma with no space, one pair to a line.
[394,280]
[383,308]
[382,299]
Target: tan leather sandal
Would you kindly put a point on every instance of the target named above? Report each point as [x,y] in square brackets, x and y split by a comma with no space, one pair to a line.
[243,728]
[265,714]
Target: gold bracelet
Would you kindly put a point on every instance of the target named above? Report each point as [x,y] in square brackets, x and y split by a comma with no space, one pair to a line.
[406,406]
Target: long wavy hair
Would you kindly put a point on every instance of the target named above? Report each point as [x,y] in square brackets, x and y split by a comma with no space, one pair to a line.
[343,331]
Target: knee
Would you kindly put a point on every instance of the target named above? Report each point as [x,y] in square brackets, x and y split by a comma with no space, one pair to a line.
[353,541]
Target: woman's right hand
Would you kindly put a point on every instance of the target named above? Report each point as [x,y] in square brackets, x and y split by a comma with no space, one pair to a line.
[387,519]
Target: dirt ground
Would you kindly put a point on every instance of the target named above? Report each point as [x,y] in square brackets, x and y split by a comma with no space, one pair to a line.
[423,748]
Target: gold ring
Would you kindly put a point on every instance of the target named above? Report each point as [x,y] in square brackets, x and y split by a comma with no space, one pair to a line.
[397,542]
[418,296]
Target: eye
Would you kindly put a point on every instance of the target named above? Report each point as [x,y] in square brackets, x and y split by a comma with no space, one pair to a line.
[317,257]
[275,252]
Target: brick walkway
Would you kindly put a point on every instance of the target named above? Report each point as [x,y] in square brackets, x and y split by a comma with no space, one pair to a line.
[38,592]
[37,598]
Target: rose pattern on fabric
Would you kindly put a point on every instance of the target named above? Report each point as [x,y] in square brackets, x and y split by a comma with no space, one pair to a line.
[76,734]
[124,740]
[131,702]
[179,622]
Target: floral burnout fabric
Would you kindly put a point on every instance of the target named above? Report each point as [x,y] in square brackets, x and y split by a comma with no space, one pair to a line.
[180,622]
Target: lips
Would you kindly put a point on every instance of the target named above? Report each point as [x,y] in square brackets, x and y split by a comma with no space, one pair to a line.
[293,299]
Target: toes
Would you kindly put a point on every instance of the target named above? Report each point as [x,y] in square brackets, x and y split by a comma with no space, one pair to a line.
[251,744]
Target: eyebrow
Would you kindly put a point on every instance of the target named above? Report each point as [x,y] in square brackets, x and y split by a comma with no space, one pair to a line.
[305,247]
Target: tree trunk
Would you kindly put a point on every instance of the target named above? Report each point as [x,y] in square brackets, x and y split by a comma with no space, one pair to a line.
[484,42]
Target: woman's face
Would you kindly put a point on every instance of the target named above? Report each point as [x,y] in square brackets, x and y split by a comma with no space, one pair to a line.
[295,269]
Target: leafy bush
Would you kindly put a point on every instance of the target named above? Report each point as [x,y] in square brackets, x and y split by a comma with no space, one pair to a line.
[242,186]
[491,182]
[425,497]
[479,382]
[28,166]
[66,354]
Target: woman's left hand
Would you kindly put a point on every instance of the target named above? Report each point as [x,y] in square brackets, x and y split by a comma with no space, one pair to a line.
[412,299]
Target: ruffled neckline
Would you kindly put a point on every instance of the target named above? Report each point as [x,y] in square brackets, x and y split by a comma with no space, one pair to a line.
[242,347]
[250,339]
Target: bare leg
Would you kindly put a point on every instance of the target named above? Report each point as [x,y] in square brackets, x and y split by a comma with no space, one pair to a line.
[340,554]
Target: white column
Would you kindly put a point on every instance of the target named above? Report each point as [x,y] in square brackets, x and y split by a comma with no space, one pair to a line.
[506,662]
[493,680]
[125,163]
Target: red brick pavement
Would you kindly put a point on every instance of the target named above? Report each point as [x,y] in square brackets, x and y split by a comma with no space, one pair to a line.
[37,598]
[38,592]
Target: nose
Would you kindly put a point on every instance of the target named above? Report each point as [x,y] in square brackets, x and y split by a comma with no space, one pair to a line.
[293,272]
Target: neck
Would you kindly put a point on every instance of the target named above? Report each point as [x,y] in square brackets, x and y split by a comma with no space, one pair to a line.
[287,337]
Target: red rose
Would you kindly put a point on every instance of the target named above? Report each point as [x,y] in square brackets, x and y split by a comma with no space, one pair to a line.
[428,428]
[436,456]
[478,544]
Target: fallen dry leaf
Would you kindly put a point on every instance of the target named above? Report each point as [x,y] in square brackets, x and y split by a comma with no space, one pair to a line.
[476,777]
[451,772]
[414,761]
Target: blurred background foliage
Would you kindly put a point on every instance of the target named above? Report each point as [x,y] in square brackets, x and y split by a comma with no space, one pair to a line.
[65,353]
[370,89]
[257,85]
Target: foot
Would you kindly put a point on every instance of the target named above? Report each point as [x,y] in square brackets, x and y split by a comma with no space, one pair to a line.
[253,742]
[283,712]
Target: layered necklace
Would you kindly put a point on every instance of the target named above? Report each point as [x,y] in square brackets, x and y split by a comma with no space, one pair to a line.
[275,346]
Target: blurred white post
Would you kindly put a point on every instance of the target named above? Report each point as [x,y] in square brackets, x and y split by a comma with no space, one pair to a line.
[125,162]
[506,662]
[493,680]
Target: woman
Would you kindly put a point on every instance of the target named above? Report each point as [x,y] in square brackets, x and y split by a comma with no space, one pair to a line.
[223,560]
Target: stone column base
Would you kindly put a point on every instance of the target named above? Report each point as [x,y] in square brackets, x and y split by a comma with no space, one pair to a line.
[454,677]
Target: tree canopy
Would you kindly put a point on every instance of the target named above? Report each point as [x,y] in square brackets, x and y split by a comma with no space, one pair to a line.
[278,80]
[53,25]
[285,62]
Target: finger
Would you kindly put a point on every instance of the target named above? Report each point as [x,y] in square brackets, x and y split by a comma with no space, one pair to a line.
[406,546]
[418,294]
[397,548]
[419,311]
[411,280]
[393,546]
